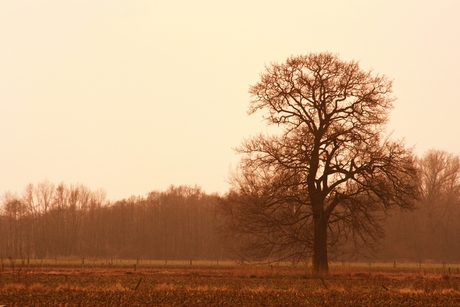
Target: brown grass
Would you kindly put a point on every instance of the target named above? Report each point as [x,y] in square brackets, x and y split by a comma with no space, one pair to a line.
[232,286]
[165,287]
[14,286]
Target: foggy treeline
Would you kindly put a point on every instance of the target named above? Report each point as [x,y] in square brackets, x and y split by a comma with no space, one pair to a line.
[62,221]
[48,221]
[432,230]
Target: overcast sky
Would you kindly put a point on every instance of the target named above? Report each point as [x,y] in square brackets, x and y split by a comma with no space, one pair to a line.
[133,96]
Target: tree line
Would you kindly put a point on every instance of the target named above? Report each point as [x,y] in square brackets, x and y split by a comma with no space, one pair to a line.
[184,223]
[71,220]
[432,230]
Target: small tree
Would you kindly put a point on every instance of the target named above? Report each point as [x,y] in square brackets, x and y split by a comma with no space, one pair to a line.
[327,178]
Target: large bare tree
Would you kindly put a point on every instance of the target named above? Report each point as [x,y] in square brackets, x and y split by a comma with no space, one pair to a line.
[329,174]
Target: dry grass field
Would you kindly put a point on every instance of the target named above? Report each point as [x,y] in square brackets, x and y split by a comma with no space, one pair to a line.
[147,284]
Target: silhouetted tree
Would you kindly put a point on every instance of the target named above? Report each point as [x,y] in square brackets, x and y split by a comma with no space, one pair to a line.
[329,174]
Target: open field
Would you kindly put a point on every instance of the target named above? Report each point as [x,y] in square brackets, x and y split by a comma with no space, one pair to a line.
[135,283]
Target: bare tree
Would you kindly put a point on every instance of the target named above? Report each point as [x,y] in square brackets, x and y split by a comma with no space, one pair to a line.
[329,175]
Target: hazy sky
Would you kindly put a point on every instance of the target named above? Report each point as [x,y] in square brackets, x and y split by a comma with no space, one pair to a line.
[133,96]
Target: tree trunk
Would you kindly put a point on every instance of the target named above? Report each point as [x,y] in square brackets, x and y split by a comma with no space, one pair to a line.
[320,262]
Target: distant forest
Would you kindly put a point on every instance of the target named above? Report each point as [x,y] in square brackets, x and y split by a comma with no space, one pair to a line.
[181,223]
[50,221]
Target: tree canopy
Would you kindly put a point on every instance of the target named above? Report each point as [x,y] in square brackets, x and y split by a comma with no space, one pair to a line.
[323,183]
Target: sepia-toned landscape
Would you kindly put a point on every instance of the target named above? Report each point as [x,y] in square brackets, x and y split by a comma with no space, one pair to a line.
[249,153]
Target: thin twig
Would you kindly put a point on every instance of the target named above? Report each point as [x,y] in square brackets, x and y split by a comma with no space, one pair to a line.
[324,283]
[138,283]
